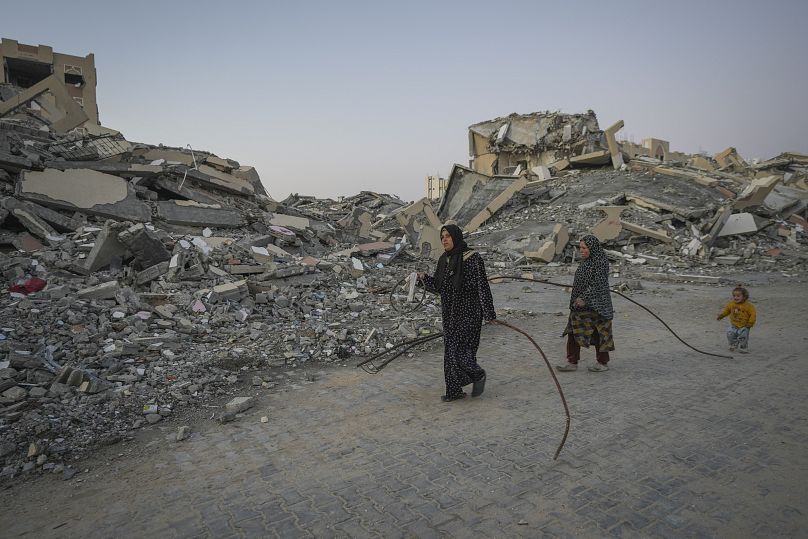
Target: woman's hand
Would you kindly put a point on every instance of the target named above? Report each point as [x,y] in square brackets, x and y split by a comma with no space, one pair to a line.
[421,276]
[580,303]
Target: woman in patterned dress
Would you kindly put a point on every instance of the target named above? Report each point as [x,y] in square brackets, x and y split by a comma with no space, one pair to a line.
[466,302]
[591,313]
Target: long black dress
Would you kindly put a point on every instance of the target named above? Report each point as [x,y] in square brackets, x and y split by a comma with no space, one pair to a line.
[463,313]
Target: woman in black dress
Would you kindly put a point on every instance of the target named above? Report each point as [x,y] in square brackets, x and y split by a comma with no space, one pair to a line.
[466,302]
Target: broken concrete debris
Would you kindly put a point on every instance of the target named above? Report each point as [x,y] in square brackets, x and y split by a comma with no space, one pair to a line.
[150,279]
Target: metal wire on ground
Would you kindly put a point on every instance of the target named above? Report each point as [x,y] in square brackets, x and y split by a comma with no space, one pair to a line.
[552,373]
[370,367]
[417,305]
[649,311]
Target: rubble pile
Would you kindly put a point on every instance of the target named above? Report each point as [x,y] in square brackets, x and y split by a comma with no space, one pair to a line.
[647,221]
[143,280]
[537,180]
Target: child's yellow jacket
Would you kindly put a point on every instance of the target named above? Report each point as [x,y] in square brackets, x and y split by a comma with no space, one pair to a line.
[742,315]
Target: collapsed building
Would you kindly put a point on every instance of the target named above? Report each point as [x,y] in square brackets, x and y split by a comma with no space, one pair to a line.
[692,210]
[142,279]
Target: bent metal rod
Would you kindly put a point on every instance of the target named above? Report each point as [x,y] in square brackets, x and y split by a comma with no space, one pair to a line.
[396,351]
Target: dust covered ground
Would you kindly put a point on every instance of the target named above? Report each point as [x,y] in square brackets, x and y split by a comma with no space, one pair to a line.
[668,443]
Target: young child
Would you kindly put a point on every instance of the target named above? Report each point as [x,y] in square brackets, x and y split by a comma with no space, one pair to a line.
[741,316]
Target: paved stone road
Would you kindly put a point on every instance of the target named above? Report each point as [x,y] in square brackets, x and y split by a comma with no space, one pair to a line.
[668,443]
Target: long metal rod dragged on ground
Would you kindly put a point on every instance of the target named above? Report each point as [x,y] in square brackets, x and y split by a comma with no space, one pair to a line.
[649,311]
[370,367]
[555,379]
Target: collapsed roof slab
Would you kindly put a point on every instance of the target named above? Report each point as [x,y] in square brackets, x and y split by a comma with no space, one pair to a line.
[126,170]
[783,200]
[592,159]
[756,192]
[191,213]
[14,163]
[171,156]
[71,113]
[679,196]
[83,190]
[27,218]
[171,185]
[472,197]
[211,178]
[647,232]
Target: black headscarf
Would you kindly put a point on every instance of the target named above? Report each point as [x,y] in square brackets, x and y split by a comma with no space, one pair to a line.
[592,280]
[452,259]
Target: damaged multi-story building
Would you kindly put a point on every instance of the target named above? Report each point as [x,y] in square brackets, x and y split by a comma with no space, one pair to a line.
[59,87]
[526,141]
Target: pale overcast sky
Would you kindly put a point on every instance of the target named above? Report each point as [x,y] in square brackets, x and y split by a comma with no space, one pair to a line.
[330,98]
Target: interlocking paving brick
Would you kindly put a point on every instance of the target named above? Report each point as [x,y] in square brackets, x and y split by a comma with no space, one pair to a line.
[668,443]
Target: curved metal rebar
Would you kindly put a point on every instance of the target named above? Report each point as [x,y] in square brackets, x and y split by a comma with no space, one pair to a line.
[552,373]
[369,367]
[649,311]
[417,305]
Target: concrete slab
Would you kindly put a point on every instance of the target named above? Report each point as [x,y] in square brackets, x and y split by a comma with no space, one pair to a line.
[614,147]
[84,190]
[546,252]
[647,232]
[172,156]
[151,273]
[368,249]
[289,221]
[562,237]
[596,158]
[54,218]
[219,164]
[105,290]
[172,185]
[543,172]
[14,163]
[756,192]
[610,227]
[126,170]
[27,243]
[191,213]
[739,223]
[471,197]
[144,245]
[227,181]
[27,218]
[106,248]
[69,114]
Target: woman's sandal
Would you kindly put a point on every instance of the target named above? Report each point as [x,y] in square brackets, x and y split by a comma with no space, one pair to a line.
[450,398]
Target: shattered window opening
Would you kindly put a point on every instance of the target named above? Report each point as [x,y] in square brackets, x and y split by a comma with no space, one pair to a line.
[26,73]
[76,80]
